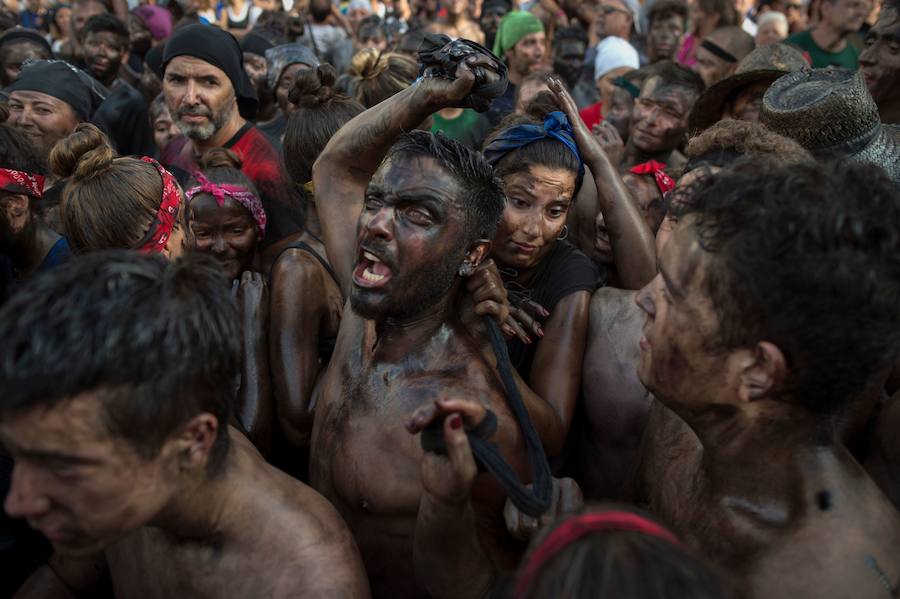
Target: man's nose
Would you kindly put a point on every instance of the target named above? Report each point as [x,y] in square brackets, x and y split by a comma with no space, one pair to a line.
[382,223]
[25,500]
[192,93]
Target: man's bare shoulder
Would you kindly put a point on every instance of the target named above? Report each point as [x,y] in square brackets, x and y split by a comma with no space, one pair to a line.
[611,309]
[298,530]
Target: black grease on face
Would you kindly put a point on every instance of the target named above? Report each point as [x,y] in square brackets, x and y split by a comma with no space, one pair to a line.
[824,500]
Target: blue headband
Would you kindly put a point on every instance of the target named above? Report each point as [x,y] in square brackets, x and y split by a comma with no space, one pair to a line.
[555,126]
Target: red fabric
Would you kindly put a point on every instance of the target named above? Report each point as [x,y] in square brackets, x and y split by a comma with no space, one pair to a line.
[260,160]
[578,527]
[168,211]
[592,115]
[663,181]
[21,182]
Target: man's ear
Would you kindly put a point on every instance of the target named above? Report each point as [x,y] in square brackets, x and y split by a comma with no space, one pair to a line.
[762,372]
[16,210]
[195,440]
[478,251]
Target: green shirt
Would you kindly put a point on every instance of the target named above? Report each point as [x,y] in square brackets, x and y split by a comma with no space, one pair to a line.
[470,128]
[847,58]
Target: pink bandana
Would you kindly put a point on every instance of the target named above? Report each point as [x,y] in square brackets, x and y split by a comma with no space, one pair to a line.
[239,194]
[663,181]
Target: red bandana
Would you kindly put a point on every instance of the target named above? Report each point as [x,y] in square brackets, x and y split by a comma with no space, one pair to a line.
[161,229]
[19,182]
[663,181]
[580,526]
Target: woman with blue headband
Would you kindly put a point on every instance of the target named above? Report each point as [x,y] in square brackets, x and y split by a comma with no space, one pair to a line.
[542,167]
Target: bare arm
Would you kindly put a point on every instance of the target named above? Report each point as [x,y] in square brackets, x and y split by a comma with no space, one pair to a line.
[298,305]
[255,409]
[448,559]
[556,368]
[347,163]
[632,242]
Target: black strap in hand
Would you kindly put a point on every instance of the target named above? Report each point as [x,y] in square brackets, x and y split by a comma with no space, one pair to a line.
[535,502]
[439,56]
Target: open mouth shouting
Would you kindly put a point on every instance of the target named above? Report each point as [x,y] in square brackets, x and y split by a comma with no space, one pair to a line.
[371,271]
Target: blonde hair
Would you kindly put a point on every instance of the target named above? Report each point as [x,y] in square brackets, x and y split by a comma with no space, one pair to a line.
[379,76]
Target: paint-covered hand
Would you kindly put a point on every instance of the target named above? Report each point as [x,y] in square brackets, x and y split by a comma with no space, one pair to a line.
[449,478]
[567,497]
[439,92]
[252,295]
[588,145]
[610,141]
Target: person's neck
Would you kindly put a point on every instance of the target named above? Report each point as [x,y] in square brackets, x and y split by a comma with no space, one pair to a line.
[635,156]
[313,224]
[397,338]
[220,137]
[31,248]
[456,20]
[108,81]
[828,38]
[775,436]
[890,111]
[451,113]
[515,78]
[200,506]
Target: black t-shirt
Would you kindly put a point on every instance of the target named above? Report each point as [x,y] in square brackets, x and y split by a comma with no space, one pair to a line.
[125,118]
[564,271]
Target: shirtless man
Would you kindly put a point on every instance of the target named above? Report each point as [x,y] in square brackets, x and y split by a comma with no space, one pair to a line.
[774,308]
[399,229]
[122,456]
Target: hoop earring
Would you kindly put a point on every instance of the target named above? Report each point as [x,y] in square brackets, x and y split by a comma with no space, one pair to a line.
[564,234]
[466,269]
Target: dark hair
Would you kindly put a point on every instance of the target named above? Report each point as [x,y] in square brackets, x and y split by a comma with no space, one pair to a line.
[222,166]
[106,23]
[623,564]
[805,256]
[482,195]
[410,42]
[673,73]
[19,155]
[371,27]
[548,152]
[158,342]
[320,113]
[542,104]
[156,107]
[570,34]
[728,15]
[665,9]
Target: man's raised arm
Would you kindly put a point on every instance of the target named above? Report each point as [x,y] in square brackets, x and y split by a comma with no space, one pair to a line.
[347,163]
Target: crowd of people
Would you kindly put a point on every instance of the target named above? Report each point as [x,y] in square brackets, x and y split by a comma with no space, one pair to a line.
[450,298]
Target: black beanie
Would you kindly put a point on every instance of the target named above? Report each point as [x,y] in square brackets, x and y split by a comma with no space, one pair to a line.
[220,49]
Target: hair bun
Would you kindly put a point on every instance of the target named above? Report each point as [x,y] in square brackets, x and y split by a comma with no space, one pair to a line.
[220,158]
[314,87]
[368,64]
[82,154]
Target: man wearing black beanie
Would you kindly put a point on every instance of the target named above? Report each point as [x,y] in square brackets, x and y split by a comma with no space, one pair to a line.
[211,99]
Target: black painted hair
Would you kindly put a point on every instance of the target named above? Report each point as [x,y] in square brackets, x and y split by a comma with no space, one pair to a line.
[106,23]
[807,257]
[158,341]
[673,73]
[664,9]
[482,195]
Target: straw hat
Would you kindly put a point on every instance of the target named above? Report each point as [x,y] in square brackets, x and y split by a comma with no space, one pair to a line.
[830,111]
[766,63]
